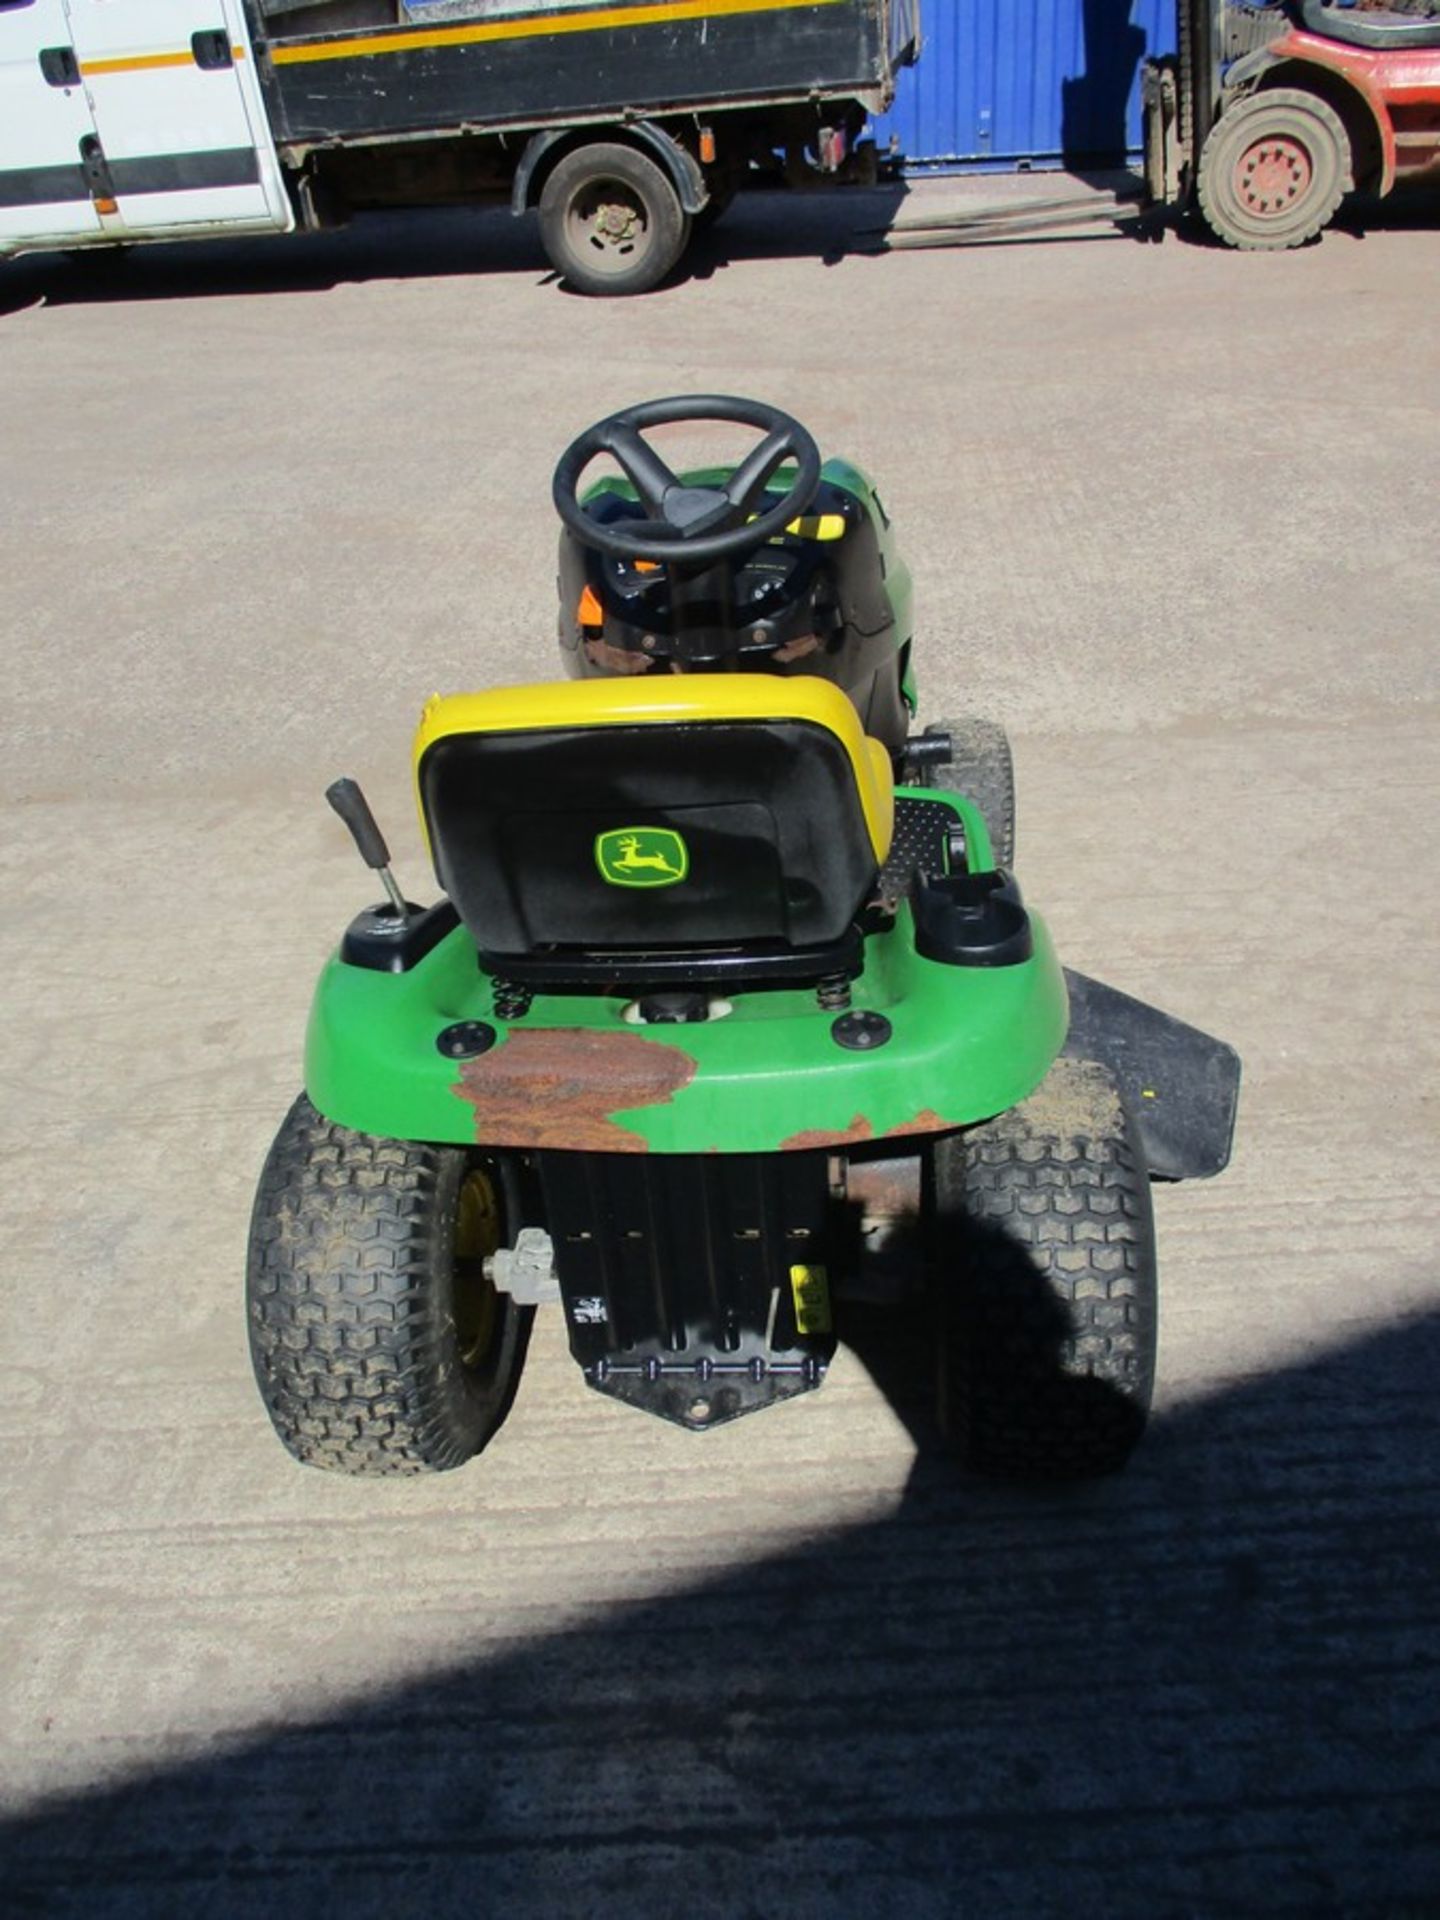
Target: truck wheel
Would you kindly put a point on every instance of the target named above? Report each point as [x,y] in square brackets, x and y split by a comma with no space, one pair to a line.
[1044,1257]
[1274,169]
[379,1345]
[982,771]
[611,220]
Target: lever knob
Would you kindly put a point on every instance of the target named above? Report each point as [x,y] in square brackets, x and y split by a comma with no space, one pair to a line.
[354,809]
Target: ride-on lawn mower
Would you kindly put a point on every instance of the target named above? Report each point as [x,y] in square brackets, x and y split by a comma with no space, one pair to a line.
[729,976]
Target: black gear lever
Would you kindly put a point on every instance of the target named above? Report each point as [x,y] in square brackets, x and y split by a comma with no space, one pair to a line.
[354,809]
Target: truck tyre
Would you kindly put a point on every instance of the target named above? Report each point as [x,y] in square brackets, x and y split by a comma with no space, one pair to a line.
[611,220]
[983,771]
[1274,169]
[1044,1262]
[379,1345]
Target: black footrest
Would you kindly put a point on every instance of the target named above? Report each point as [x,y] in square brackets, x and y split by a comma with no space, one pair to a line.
[917,844]
[695,1286]
[708,1391]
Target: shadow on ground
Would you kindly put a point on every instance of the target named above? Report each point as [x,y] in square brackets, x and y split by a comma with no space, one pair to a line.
[425,244]
[1413,207]
[826,226]
[1094,106]
[1207,1686]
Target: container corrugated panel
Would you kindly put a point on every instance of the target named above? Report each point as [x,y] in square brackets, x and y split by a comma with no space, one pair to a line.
[1005,83]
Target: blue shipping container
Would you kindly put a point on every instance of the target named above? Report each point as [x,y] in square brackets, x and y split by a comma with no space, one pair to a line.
[1006,83]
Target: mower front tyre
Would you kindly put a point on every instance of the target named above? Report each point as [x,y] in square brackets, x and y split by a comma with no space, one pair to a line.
[982,770]
[379,1345]
[1044,1258]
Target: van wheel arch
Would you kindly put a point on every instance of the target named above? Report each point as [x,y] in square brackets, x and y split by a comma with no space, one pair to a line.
[546,150]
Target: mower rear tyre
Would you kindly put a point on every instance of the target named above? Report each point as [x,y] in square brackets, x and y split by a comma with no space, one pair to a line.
[982,770]
[379,1346]
[1044,1245]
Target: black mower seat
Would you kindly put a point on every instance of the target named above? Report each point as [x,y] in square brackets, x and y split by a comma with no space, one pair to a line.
[1381,31]
[654,815]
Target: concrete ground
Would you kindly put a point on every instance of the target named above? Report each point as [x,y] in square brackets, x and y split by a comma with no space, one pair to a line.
[1172,513]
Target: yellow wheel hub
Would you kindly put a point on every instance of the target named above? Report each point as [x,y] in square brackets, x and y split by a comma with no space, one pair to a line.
[477,1233]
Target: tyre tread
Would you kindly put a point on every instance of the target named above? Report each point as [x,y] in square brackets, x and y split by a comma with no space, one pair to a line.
[1049,1351]
[1211,180]
[346,1233]
[670,224]
[983,771]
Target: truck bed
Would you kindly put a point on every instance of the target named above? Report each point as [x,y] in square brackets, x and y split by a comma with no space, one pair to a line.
[364,68]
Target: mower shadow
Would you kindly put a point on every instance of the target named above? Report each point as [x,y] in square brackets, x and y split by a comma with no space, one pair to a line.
[1205,1686]
[900,1345]
[421,245]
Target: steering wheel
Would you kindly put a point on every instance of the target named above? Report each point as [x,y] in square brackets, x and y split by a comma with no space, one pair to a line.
[698,525]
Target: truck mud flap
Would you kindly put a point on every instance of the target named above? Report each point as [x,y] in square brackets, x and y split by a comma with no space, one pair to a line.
[1182,1085]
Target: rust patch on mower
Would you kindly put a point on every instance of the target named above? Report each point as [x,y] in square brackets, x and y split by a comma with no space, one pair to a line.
[887,1189]
[860,1130]
[809,1138]
[926,1121]
[547,1087]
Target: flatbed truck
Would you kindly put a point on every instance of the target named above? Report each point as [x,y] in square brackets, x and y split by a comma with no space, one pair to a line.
[625,126]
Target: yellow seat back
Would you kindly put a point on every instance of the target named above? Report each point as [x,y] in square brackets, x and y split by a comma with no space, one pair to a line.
[653,814]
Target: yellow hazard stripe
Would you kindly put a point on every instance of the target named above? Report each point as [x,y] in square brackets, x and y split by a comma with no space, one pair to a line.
[543,27]
[818,526]
[147,62]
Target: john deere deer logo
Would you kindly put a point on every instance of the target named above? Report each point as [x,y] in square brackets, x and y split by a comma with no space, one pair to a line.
[641,857]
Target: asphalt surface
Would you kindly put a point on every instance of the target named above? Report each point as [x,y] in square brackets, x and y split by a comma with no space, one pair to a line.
[1172,517]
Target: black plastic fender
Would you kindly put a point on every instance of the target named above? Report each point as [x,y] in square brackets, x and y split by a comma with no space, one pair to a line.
[1243,75]
[1181,1085]
[681,165]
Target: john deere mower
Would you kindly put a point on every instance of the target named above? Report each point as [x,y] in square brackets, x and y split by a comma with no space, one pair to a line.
[730,1006]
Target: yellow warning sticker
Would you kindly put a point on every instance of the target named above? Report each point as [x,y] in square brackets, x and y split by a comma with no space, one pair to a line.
[811,1290]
